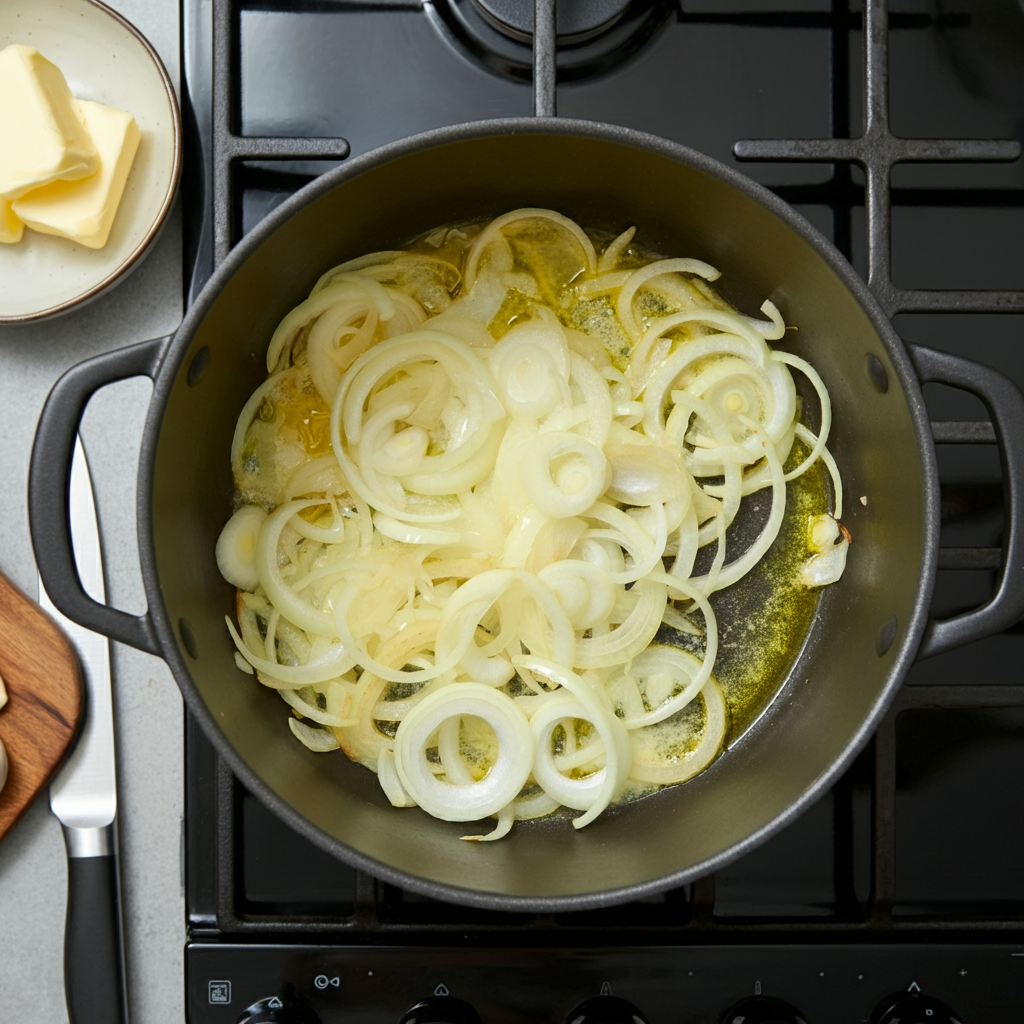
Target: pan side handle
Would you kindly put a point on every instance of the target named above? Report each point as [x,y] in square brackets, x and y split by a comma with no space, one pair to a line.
[1005,405]
[49,482]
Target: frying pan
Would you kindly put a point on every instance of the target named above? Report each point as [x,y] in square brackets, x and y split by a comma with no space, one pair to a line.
[869,627]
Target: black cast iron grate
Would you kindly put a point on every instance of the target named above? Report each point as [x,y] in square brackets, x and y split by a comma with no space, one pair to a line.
[217,901]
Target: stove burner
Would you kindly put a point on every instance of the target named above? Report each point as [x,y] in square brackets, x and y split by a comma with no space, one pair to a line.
[578,20]
[594,36]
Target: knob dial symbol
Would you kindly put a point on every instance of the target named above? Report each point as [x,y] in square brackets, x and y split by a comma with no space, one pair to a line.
[278,1010]
[764,1010]
[913,1008]
[605,1010]
[441,1010]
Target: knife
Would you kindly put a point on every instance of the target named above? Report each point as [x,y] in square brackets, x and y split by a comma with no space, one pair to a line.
[83,795]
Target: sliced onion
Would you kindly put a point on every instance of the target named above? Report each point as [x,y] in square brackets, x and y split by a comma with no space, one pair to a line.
[339,289]
[614,250]
[584,591]
[237,545]
[826,409]
[498,225]
[629,533]
[301,612]
[673,376]
[537,805]
[531,366]
[320,741]
[616,741]
[506,776]
[678,768]
[579,793]
[685,589]
[739,567]
[645,475]
[387,773]
[629,638]
[545,628]
[821,570]
[669,678]
[776,326]
[340,334]
[464,611]
[335,662]
[822,533]
[501,496]
[474,408]
[830,464]
[624,303]
[563,474]
[312,711]
[506,818]
[413,533]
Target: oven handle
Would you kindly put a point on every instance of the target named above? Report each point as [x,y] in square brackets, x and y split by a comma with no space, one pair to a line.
[49,482]
[1005,405]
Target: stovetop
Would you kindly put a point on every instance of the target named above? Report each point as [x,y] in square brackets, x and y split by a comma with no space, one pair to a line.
[906,878]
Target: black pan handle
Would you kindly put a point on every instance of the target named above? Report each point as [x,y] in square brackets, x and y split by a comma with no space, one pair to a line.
[49,482]
[1005,405]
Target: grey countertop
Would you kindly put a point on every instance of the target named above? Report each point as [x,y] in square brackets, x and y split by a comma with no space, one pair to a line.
[148,707]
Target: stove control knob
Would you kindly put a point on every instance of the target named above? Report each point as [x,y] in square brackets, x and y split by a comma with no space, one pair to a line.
[441,1010]
[605,1010]
[913,1008]
[278,1010]
[763,1010]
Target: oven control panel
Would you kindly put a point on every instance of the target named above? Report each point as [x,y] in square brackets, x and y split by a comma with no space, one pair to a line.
[477,984]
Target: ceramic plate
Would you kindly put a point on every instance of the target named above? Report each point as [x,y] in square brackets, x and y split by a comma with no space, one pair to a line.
[104,58]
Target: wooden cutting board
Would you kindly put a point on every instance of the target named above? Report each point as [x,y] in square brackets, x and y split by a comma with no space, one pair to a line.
[45,699]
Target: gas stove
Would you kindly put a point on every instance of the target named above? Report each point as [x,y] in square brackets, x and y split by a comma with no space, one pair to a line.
[899,897]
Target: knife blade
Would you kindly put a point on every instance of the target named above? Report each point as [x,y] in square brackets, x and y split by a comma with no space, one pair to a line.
[83,794]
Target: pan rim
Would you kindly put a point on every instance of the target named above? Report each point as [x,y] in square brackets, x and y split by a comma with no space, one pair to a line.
[167,377]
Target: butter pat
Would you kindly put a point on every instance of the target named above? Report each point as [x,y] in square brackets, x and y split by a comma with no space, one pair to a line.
[43,135]
[11,230]
[84,210]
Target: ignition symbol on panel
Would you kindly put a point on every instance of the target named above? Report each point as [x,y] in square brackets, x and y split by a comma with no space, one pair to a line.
[219,992]
[275,1004]
[606,988]
[322,981]
[441,990]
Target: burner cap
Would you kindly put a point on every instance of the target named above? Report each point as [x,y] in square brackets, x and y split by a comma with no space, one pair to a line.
[577,20]
[594,36]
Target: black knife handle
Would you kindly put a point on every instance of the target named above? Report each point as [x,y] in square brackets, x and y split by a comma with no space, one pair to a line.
[93,960]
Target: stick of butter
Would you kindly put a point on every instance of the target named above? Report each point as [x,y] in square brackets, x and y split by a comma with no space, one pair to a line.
[43,135]
[11,228]
[84,210]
